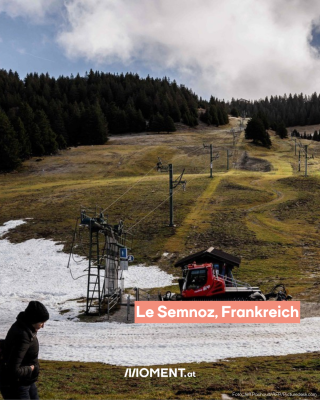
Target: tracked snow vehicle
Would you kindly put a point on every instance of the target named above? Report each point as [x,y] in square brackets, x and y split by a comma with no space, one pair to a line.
[203,280]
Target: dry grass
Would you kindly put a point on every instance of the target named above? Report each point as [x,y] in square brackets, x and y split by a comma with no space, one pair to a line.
[267,218]
[270,219]
[291,374]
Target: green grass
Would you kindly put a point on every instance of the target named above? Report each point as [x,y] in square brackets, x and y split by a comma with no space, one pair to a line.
[269,219]
[289,374]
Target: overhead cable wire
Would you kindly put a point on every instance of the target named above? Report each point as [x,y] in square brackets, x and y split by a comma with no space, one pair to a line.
[193,151]
[164,201]
[71,253]
[128,190]
[159,205]
[73,240]
[141,205]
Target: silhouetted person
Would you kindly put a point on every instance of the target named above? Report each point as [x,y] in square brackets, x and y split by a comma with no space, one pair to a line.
[21,349]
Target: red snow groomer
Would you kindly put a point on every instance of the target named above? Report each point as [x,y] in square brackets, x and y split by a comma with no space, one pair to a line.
[209,277]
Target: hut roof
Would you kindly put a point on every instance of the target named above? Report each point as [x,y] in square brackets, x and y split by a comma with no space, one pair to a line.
[209,255]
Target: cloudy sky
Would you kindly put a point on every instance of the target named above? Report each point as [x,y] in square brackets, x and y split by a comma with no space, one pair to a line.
[231,48]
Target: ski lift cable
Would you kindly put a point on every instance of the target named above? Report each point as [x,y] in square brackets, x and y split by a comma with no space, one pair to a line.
[193,151]
[84,254]
[77,262]
[178,180]
[73,240]
[71,253]
[128,190]
[81,276]
[159,205]
[198,148]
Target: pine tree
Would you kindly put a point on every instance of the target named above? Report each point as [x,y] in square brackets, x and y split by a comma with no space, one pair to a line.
[186,119]
[264,119]
[255,130]
[206,117]
[140,122]
[175,113]
[22,137]
[295,133]
[234,112]
[281,130]
[32,130]
[168,124]
[135,119]
[93,126]
[225,117]
[214,117]
[220,116]
[117,119]
[156,123]
[9,145]
[57,123]
[48,137]
[73,124]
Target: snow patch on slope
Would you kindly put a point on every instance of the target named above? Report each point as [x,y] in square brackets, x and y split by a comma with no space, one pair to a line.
[146,277]
[10,225]
[37,270]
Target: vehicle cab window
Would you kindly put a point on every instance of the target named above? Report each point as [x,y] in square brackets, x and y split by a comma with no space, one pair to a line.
[196,278]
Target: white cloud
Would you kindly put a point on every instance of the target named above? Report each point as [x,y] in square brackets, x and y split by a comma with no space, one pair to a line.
[33,9]
[244,48]
[247,48]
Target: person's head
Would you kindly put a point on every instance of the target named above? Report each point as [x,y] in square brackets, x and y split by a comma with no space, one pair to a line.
[36,314]
[38,325]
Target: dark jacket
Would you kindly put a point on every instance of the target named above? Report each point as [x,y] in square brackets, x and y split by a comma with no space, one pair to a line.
[21,350]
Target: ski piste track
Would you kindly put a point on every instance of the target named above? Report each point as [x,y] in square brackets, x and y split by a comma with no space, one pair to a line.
[195,219]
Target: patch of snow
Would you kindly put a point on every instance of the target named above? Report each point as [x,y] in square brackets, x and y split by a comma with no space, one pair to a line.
[148,344]
[37,270]
[10,225]
[146,277]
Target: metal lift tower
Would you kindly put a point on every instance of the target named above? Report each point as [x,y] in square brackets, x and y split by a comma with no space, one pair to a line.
[107,259]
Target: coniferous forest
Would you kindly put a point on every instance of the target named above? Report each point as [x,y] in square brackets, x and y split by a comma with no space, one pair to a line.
[41,114]
[289,110]
[277,113]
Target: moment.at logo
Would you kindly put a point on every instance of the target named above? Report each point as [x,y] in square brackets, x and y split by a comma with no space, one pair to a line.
[158,372]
